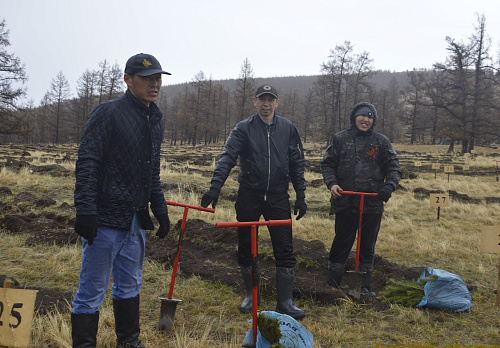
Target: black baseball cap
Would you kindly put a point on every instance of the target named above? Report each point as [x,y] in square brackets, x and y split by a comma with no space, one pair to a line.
[266,89]
[143,64]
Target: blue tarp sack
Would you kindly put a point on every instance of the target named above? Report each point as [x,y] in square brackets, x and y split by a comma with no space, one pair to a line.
[293,335]
[448,291]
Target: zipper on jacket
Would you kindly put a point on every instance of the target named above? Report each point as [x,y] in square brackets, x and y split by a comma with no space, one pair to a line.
[146,163]
[269,161]
[300,152]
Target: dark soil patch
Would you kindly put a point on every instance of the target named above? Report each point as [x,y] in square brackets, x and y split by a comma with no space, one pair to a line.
[211,254]
[46,301]
[207,252]
[423,194]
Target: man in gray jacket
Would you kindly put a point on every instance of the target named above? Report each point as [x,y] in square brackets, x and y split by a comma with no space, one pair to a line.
[271,155]
[362,160]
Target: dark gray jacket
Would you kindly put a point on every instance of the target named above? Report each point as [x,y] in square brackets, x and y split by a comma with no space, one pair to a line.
[270,157]
[362,162]
[118,167]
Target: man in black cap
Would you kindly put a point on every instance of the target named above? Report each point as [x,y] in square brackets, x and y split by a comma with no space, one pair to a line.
[117,177]
[271,155]
[362,160]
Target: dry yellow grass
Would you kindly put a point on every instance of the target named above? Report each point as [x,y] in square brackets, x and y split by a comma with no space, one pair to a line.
[411,235]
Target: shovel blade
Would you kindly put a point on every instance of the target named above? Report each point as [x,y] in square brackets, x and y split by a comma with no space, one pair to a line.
[354,279]
[167,313]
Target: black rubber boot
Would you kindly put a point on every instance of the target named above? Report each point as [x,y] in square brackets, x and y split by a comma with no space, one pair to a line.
[367,279]
[335,274]
[246,273]
[84,330]
[284,287]
[127,323]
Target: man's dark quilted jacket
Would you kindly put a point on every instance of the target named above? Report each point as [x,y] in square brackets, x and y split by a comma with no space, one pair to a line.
[362,162]
[118,167]
[270,157]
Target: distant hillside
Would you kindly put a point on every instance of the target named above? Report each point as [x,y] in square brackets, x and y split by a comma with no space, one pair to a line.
[301,84]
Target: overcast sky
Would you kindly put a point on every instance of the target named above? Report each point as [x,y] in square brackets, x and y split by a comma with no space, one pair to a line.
[279,37]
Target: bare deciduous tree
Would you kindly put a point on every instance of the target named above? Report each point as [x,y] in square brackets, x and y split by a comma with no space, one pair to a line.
[463,90]
[245,89]
[345,82]
[86,91]
[103,81]
[414,92]
[115,81]
[11,72]
[59,95]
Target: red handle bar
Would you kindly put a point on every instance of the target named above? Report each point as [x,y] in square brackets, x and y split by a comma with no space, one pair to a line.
[254,223]
[358,193]
[210,210]
[361,204]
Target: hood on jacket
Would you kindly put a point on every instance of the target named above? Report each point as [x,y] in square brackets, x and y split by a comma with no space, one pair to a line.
[358,106]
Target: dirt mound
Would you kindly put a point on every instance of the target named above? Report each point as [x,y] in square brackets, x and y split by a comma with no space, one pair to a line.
[46,300]
[423,194]
[211,254]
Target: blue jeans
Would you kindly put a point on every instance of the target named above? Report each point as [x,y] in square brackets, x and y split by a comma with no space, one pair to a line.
[114,253]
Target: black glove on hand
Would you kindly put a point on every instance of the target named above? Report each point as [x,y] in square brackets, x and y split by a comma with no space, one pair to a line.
[86,226]
[332,206]
[384,194]
[164,228]
[301,207]
[211,196]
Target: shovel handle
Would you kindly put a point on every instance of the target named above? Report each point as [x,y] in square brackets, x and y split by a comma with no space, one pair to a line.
[374,194]
[361,206]
[197,207]
[255,301]
[254,223]
[181,236]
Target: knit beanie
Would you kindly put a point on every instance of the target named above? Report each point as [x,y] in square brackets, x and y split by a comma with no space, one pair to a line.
[363,108]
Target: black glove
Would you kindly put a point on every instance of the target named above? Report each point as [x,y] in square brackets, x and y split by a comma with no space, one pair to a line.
[86,226]
[164,222]
[211,196]
[332,206]
[300,206]
[384,193]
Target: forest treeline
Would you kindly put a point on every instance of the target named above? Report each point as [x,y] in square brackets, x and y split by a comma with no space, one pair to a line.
[457,100]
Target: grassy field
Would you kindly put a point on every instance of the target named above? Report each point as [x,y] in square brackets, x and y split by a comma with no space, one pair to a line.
[411,235]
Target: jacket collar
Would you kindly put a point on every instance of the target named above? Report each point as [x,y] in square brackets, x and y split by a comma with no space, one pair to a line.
[152,110]
[275,119]
[355,131]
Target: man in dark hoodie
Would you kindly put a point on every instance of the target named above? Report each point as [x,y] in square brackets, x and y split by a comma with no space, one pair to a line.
[362,160]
